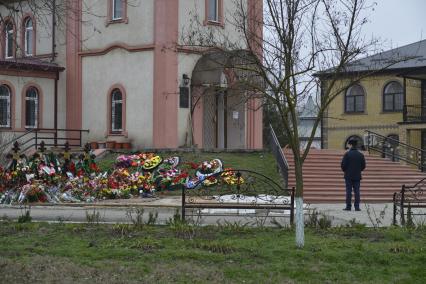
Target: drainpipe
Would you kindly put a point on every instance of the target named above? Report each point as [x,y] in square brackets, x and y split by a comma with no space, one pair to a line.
[53,30]
[55,119]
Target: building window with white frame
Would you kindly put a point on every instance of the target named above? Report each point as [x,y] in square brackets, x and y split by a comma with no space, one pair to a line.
[117,9]
[213,11]
[31,108]
[4,106]
[29,37]
[10,37]
[116,111]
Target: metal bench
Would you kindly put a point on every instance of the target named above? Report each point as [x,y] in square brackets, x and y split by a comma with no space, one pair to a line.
[409,198]
[237,193]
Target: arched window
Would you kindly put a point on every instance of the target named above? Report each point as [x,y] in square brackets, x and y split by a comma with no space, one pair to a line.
[393,97]
[10,40]
[31,108]
[29,37]
[359,145]
[5,106]
[116,111]
[355,99]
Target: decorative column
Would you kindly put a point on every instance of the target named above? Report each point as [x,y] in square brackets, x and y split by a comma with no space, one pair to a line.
[165,100]
[254,138]
[73,70]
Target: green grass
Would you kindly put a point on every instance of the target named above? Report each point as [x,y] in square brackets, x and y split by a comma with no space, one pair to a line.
[263,162]
[64,253]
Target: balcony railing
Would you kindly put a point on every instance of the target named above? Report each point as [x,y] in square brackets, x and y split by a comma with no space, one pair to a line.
[414,113]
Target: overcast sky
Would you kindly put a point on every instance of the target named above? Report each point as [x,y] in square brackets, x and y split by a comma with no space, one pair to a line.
[397,22]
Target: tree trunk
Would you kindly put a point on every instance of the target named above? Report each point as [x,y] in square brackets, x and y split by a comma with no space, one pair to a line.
[300,220]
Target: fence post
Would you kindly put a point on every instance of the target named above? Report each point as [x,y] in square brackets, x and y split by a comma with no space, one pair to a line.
[394,209]
[292,207]
[402,205]
[183,203]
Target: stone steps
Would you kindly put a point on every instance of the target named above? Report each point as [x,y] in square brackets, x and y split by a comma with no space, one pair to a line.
[324,182]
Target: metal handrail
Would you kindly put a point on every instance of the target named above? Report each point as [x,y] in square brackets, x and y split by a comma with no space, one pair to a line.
[37,138]
[2,147]
[419,153]
[393,140]
[277,151]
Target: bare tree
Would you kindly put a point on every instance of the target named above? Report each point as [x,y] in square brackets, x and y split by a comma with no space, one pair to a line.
[287,49]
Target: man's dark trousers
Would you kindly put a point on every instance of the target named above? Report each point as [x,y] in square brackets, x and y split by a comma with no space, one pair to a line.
[352,184]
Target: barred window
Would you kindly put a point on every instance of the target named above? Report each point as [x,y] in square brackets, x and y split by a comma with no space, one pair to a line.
[4,106]
[354,99]
[213,10]
[116,111]
[29,37]
[31,108]
[393,97]
[9,40]
[117,9]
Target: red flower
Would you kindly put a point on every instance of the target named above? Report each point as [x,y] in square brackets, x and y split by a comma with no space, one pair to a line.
[192,165]
[183,175]
[94,167]
[42,198]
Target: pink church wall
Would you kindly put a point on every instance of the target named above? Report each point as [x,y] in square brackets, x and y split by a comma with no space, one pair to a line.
[165,120]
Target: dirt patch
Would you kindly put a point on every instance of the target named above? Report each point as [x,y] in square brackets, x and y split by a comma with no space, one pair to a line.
[184,272]
[45,269]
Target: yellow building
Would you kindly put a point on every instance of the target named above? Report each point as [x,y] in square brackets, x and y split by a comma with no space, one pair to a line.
[386,109]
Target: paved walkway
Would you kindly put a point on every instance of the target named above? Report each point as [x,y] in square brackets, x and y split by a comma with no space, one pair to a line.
[114,211]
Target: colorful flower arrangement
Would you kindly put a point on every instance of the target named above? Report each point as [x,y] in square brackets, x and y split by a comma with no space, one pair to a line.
[55,178]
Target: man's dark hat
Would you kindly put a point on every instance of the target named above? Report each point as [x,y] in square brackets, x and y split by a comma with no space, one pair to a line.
[353,142]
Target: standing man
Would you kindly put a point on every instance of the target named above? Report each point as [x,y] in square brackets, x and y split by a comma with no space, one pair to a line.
[353,163]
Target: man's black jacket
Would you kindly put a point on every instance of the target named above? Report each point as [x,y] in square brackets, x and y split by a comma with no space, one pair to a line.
[353,163]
